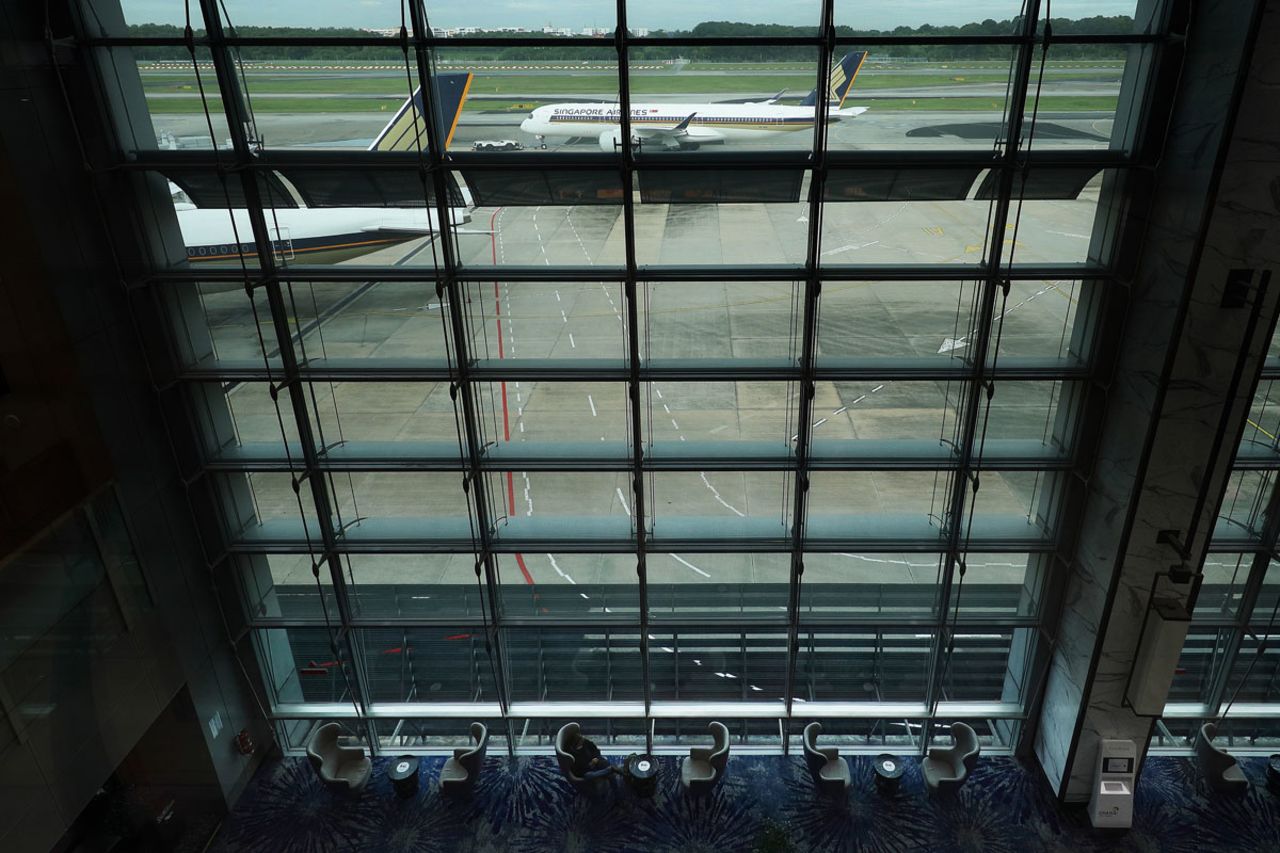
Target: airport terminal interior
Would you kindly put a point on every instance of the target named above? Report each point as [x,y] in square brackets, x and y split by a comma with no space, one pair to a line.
[638,425]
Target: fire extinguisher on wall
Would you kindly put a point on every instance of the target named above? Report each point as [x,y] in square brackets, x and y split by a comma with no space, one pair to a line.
[244,742]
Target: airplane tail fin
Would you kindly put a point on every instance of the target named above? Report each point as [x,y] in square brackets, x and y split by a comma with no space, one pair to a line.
[406,131]
[842,77]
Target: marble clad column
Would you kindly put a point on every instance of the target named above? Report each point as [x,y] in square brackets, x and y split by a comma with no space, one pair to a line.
[1168,395]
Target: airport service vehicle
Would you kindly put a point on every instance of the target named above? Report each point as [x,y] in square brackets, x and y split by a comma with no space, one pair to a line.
[688,126]
[320,232]
[496,145]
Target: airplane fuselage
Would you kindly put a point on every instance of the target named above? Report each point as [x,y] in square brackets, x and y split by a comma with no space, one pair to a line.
[309,235]
[711,123]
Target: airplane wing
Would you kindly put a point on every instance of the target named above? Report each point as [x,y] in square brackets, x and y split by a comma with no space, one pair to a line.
[850,112]
[681,129]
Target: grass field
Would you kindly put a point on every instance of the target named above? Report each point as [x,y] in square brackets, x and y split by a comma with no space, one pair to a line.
[383,91]
[171,106]
[300,83]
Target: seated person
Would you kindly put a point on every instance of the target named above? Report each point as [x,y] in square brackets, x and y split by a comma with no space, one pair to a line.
[587,761]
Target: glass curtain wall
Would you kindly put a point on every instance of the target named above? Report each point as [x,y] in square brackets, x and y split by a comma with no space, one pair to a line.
[1229,671]
[640,373]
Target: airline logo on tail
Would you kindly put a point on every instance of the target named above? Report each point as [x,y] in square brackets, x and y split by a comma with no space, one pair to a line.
[842,77]
[407,132]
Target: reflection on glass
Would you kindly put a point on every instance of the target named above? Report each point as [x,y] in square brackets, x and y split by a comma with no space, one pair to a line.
[1263,423]
[717,585]
[683,413]
[1014,503]
[520,320]
[435,664]
[700,234]
[896,735]
[724,667]
[882,320]
[397,736]
[984,667]
[564,665]
[264,499]
[568,586]
[369,496]
[715,320]
[723,498]
[1242,512]
[236,415]
[1035,415]
[924,412]
[1225,576]
[299,665]
[1202,653]
[875,586]
[529,411]
[896,502]
[870,667]
[354,413]
[1039,319]
[215,322]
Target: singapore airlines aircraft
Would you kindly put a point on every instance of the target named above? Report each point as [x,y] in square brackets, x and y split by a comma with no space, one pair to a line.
[691,125]
[329,234]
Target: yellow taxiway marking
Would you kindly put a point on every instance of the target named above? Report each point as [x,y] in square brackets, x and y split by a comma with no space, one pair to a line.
[1254,424]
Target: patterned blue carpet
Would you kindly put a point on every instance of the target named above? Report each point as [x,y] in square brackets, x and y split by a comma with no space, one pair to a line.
[765,803]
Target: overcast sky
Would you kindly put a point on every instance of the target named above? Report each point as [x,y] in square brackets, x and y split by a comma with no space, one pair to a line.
[669,14]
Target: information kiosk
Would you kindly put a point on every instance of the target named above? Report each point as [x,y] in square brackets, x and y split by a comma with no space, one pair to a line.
[1111,803]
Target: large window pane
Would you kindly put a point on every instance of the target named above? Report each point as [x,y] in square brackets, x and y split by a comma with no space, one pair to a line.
[551,586]
[925,96]
[882,320]
[546,235]
[760,106]
[720,320]
[563,665]
[427,664]
[870,667]
[718,667]
[524,320]
[717,586]
[728,233]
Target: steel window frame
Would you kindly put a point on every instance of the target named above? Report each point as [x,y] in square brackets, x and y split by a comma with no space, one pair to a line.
[435,167]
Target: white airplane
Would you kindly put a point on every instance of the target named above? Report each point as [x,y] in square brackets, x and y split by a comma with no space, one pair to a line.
[329,234]
[691,125]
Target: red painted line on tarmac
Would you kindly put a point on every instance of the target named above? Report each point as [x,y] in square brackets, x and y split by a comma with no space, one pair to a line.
[506,418]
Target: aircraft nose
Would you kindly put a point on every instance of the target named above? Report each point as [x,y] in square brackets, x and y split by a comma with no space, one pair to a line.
[527,125]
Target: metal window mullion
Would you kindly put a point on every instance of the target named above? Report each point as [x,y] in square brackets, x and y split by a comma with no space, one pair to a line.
[630,285]
[448,283]
[968,427]
[233,105]
[808,351]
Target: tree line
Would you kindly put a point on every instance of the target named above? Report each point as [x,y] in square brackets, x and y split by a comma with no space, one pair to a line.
[1107,25]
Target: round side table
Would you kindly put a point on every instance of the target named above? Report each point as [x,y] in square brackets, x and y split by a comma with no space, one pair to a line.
[888,769]
[642,774]
[403,773]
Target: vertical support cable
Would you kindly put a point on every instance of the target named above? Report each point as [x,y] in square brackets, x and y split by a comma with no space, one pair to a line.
[447,283]
[966,475]
[627,171]
[234,106]
[809,335]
